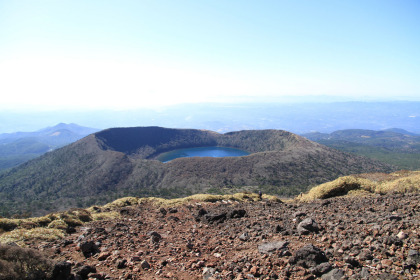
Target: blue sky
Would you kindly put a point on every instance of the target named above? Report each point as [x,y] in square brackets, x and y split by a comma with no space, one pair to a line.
[129,54]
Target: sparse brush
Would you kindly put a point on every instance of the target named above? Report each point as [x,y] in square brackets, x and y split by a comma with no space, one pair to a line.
[23,263]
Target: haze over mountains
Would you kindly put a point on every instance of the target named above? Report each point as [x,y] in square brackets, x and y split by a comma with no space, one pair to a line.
[120,162]
[297,117]
[19,147]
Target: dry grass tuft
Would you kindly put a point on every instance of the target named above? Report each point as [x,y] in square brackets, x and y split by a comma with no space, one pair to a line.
[107,211]
[19,236]
[363,184]
[111,215]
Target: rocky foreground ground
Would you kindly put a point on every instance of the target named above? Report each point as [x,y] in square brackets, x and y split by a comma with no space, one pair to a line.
[373,237]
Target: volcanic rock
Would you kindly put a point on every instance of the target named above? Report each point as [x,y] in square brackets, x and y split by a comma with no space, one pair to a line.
[270,247]
[308,256]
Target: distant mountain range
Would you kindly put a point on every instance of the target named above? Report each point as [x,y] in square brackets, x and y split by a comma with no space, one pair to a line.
[394,146]
[296,117]
[122,162]
[19,147]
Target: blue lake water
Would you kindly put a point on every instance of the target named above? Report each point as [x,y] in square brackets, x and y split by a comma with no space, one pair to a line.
[202,152]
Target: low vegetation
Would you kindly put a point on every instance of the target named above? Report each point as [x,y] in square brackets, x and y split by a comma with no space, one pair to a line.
[24,263]
[399,182]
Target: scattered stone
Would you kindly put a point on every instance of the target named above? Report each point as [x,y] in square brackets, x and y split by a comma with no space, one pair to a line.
[356,243]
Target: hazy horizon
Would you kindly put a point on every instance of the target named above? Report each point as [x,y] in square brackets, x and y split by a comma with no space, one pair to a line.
[96,55]
[297,117]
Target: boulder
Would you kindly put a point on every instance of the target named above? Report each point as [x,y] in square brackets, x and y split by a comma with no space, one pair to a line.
[61,271]
[308,256]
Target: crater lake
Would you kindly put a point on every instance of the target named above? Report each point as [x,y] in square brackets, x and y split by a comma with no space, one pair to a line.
[202,152]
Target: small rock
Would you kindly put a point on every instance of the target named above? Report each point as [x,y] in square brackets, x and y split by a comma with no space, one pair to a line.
[145,265]
[84,270]
[394,217]
[365,255]
[386,262]
[103,256]
[413,256]
[208,272]
[365,273]
[334,274]
[307,225]
[122,264]
[244,236]
[321,269]
[173,210]
[88,248]
[352,261]
[270,247]
[299,214]
[237,213]
[402,235]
